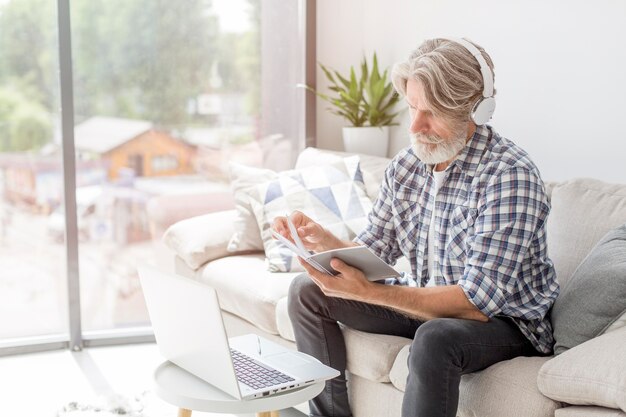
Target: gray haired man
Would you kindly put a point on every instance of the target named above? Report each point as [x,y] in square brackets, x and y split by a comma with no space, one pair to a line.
[468,208]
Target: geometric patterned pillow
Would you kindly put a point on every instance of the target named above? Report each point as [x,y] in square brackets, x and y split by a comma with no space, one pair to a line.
[332,195]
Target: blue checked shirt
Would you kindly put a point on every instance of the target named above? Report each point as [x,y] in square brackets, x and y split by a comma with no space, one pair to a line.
[490,230]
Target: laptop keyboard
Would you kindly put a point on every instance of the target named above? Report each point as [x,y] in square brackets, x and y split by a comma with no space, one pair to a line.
[254,374]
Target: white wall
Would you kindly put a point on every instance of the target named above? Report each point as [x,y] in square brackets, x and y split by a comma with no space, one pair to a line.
[560,70]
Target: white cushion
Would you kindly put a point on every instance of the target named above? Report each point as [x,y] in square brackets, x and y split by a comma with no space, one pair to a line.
[371,355]
[583,210]
[200,239]
[246,289]
[507,388]
[243,179]
[592,373]
[283,322]
[587,411]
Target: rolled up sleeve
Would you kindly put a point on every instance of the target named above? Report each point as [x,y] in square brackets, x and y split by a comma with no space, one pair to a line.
[513,209]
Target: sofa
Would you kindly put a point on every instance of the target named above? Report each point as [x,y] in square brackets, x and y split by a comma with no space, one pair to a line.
[588,380]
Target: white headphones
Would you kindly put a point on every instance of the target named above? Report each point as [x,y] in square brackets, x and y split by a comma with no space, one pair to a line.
[483,108]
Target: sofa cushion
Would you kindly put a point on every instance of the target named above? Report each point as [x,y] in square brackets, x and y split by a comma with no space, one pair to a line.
[583,210]
[285,329]
[503,395]
[243,179]
[373,399]
[513,383]
[246,289]
[595,297]
[593,373]
[587,411]
[371,355]
[332,195]
[200,239]
[508,388]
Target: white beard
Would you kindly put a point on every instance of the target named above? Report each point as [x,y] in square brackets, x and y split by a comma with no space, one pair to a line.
[437,150]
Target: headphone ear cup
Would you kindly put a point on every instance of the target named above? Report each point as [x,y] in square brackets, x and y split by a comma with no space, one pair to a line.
[483,110]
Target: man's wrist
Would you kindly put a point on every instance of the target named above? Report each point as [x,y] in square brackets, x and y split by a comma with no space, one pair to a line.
[332,242]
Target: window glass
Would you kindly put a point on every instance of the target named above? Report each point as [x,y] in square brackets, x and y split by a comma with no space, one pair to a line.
[33,287]
[166,95]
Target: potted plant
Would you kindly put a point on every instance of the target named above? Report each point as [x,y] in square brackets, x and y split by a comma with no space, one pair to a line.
[367,103]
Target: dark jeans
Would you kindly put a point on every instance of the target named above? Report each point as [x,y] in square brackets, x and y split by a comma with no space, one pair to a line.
[442,349]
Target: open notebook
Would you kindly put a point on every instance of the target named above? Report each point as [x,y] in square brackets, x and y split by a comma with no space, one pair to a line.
[359,257]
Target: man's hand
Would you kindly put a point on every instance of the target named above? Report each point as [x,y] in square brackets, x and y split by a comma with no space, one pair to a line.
[311,233]
[350,284]
[313,236]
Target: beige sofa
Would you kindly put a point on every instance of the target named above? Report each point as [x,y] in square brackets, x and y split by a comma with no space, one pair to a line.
[255,300]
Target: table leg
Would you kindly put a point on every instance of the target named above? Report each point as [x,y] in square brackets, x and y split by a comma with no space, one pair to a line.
[183,412]
[267,414]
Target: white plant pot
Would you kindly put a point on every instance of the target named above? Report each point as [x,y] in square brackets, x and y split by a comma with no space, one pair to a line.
[367,140]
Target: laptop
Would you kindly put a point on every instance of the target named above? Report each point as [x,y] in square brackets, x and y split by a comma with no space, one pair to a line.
[190,332]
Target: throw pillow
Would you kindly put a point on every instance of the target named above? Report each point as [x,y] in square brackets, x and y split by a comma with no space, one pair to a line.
[595,296]
[332,195]
[243,180]
[589,374]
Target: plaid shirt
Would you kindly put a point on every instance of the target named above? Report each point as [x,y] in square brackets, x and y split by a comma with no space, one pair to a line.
[490,230]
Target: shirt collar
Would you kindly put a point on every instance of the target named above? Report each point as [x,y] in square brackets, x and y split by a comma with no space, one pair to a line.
[469,158]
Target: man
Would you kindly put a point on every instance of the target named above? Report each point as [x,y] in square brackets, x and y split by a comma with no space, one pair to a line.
[468,208]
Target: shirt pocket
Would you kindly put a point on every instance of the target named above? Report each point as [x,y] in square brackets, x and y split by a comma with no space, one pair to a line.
[405,202]
[406,217]
[460,228]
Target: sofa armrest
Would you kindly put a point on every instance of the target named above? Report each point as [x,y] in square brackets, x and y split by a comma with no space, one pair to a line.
[165,210]
[201,239]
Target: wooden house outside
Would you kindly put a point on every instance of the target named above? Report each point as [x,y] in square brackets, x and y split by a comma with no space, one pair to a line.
[133,145]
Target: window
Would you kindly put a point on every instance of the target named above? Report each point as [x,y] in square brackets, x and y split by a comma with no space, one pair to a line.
[165,95]
[164,163]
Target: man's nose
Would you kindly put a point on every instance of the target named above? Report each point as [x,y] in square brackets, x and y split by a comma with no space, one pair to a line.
[419,122]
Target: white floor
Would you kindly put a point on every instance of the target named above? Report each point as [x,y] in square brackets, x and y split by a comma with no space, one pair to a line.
[40,384]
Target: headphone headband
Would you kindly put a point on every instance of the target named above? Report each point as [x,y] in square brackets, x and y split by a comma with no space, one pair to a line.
[483,109]
[484,67]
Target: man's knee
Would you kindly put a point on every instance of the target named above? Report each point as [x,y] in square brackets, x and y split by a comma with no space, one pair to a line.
[304,295]
[438,338]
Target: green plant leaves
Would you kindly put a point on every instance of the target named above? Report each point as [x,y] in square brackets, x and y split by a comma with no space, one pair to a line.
[366,100]
[379,97]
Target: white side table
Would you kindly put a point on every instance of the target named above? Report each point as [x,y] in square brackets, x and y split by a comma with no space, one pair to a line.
[188,392]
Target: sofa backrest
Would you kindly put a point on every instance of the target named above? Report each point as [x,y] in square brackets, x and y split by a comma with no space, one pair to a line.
[583,210]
